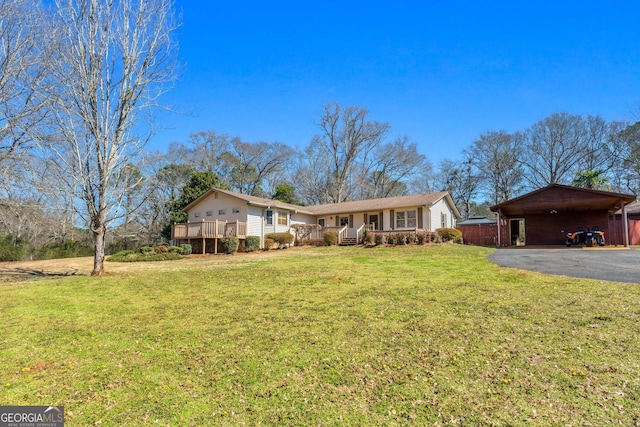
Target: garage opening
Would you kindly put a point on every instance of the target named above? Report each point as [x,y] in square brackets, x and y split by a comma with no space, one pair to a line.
[516,231]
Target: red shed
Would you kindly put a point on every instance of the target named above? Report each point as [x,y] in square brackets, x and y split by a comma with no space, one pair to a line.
[545,216]
[479,230]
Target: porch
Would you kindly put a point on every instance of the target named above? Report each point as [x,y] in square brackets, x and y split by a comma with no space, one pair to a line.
[206,234]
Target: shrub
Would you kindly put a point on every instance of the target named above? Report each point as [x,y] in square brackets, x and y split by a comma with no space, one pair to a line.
[424,237]
[370,238]
[282,239]
[229,245]
[11,250]
[392,239]
[330,238]
[175,250]
[186,249]
[146,250]
[132,256]
[162,249]
[252,243]
[269,243]
[314,242]
[449,235]
[379,239]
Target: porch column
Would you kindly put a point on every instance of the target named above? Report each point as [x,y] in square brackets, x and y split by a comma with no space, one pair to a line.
[499,230]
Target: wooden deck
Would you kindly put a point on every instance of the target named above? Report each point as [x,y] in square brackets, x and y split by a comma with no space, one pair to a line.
[205,234]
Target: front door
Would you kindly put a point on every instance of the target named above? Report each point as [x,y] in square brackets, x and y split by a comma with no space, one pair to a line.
[373,221]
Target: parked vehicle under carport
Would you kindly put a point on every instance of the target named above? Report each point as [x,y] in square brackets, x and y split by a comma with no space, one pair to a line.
[589,237]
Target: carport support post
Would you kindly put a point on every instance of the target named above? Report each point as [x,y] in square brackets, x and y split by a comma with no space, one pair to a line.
[625,225]
[499,233]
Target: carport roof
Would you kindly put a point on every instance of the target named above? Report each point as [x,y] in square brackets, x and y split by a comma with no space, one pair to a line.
[563,198]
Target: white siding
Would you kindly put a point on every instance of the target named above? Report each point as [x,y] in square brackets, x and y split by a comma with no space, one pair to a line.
[220,208]
[254,222]
[437,210]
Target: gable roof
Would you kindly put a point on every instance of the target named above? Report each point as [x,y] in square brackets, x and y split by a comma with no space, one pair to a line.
[251,200]
[562,198]
[426,200]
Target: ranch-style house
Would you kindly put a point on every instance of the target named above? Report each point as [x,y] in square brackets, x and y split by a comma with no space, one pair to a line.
[221,213]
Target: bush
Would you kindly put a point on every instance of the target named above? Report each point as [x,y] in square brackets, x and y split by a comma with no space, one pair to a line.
[330,238]
[68,249]
[162,249]
[269,243]
[186,249]
[146,250]
[379,239]
[314,242]
[132,256]
[252,243]
[449,235]
[424,237]
[392,239]
[282,239]
[229,245]
[175,250]
[11,250]
[370,238]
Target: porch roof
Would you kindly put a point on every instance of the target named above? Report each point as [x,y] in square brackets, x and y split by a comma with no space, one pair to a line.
[373,205]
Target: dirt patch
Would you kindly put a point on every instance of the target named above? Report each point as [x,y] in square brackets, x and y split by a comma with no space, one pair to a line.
[24,270]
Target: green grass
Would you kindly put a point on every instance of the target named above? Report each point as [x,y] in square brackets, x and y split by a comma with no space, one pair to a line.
[324,336]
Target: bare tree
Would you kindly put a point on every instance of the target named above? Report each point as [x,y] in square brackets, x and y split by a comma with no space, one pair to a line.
[115,60]
[24,57]
[392,166]
[461,180]
[250,165]
[348,138]
[552,148]
[496,157]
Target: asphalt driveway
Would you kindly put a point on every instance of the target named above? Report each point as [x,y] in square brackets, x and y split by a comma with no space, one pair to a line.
[619,265]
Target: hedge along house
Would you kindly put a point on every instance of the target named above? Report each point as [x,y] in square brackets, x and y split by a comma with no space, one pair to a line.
[220,213]
[545,216]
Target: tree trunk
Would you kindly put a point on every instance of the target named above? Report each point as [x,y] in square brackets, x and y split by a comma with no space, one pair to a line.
[98,257]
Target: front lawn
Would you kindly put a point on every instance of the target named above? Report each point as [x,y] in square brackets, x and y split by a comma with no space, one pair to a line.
[323,336]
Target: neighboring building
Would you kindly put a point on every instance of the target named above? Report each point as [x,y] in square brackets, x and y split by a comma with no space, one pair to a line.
[633,219]
[545,216]
[220,213]
[479,230]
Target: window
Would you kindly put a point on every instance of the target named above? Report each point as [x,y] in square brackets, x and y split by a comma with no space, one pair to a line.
[321,222]
[209,213]
[236,210]
[411,219]
[196,215]
[222,212]
[269,217]
[344,220]
[443,220]
[400,220]
[282,218]
[406,219]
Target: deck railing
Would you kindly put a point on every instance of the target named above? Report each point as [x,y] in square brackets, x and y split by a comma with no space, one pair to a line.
[209,230]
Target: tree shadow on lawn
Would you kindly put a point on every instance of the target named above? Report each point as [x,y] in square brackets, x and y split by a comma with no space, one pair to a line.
[12,274]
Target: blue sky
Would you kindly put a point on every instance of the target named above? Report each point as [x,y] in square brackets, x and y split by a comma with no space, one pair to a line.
[441,73]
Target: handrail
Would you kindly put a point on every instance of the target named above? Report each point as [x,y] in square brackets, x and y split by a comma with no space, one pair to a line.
[209,229]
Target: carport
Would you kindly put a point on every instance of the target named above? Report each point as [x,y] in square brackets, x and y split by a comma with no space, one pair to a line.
[545,216]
